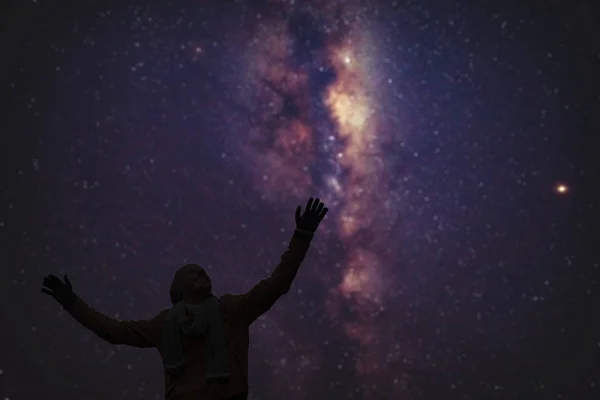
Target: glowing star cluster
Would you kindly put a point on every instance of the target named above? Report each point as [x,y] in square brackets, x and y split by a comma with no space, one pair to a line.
[315,128]
[316,135]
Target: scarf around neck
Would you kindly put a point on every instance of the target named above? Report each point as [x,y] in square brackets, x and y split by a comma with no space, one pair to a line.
[206,321]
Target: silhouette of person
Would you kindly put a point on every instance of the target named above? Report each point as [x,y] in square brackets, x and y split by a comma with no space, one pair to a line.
[203,340]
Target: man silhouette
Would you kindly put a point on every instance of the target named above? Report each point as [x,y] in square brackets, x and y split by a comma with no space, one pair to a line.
[203,340]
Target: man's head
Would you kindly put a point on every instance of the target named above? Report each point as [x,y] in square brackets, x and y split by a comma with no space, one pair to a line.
[190,283]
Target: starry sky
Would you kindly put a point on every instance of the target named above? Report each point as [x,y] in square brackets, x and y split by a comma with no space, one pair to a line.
[453,143]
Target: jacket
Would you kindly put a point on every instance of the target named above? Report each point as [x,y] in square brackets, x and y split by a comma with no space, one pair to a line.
[238,312]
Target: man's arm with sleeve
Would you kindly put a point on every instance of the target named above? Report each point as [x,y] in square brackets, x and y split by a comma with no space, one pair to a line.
[263,295]
[140,333]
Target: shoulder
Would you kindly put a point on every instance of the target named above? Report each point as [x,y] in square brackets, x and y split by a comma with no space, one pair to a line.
[160,316]
[229,302]
[227,299]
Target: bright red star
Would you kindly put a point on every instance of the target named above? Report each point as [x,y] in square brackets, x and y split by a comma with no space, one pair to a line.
[561,188]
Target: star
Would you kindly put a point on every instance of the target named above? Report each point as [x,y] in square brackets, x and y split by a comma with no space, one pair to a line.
[561,188]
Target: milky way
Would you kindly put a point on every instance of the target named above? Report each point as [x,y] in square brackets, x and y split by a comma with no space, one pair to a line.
[319,127]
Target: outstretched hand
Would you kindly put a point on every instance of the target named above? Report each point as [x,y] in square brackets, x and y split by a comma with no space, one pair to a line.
[313,214]
[61,291]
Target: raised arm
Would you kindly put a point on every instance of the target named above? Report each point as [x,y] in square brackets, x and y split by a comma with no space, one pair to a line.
[263,295]
[140,333]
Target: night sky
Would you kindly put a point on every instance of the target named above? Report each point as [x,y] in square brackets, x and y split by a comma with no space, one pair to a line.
[453,143]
